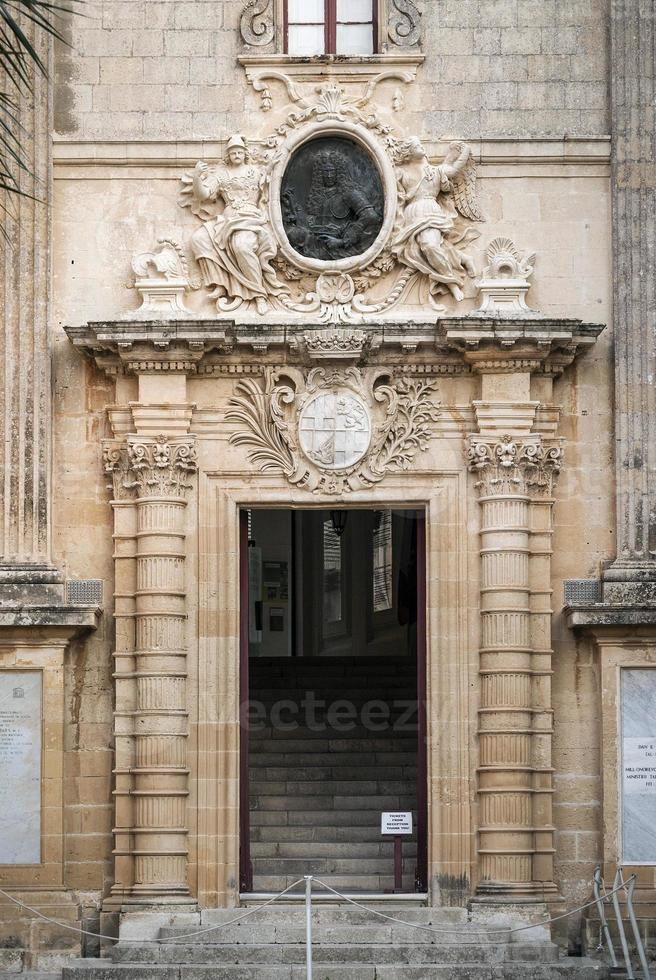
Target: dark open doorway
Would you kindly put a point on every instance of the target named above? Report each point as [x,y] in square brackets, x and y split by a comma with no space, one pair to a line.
[333,696]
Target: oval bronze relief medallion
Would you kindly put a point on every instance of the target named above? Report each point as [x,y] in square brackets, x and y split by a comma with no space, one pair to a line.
[332,199]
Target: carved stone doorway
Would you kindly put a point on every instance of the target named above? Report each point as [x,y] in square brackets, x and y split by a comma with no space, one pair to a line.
[332,691]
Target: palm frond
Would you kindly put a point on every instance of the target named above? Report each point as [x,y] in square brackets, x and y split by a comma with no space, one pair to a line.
[22,22]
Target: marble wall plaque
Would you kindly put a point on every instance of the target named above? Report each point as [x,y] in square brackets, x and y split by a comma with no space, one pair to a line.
[638,766]
[332,199]
[20,767]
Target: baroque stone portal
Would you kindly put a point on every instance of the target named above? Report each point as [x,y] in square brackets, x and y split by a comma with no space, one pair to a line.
[332,199]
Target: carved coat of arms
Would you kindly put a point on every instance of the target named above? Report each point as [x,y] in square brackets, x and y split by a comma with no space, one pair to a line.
[333,430]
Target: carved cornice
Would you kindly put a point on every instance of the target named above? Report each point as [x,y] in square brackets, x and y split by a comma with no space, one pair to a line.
[506,345]
[527,467]
[457,344]
[149,468]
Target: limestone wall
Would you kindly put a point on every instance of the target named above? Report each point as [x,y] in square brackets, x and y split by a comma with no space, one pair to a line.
[166,71]
[158,70]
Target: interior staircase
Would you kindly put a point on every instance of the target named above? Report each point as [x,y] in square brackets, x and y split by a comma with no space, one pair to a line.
[317,792]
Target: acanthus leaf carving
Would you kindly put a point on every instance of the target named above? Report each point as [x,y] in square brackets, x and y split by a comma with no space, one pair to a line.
[404,23]
[514,465]
[257,23]
[161,467]
[116,465]
[335,430]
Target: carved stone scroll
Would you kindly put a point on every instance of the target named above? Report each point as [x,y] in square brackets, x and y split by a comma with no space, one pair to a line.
[404,23]
[257,23]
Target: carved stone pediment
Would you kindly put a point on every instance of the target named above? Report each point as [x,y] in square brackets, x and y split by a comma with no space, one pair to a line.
[333,429]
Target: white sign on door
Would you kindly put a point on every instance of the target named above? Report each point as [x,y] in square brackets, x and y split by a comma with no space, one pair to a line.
[396,823]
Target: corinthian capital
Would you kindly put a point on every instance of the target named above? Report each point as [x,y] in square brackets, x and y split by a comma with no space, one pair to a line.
[509,465]
[116,465]
[161,467]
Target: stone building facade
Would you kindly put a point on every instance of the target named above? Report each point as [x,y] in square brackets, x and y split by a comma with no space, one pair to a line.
[459,322]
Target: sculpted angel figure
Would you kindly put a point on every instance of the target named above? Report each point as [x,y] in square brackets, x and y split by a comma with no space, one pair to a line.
[234,248]
[429,240]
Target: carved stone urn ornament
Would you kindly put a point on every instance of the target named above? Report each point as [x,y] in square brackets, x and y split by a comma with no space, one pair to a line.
[335,429]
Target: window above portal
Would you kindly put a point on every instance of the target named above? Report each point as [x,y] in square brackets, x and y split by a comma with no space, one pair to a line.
[343,27]
[323,28]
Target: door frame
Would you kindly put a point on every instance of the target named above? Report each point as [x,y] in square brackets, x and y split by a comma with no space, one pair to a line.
[245,861]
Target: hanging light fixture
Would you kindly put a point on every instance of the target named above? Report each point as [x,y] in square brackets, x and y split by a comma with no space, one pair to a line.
[338,518]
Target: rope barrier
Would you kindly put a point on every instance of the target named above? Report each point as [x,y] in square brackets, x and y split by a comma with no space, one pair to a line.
[187,935]
[456,932]
[329,888]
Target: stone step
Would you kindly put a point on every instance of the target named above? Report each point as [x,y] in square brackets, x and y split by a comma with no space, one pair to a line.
[29,975]
[318,817]
[572,969]
[374,803]
[331,849]
[330,787]
[383,733]
[334,914]
[380,953]
[333,760]
[350,883]
[344,772]
[329,864]
[320,835]
[365,691]
[313,744]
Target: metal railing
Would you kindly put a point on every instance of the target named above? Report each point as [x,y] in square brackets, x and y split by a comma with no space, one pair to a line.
[601,898]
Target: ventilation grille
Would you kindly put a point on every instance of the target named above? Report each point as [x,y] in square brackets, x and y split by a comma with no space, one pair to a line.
[84,591]
[582,591]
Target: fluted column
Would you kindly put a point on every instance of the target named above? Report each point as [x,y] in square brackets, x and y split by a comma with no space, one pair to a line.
[161,472]
[25,344]
[514,702]
[633,90]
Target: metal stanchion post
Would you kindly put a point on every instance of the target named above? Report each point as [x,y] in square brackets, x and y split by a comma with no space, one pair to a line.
[636,929]
[597,885]
[619,880]
[308,925]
